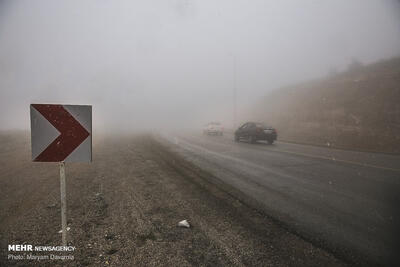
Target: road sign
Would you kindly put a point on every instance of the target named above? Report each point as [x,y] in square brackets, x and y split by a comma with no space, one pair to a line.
[61,133]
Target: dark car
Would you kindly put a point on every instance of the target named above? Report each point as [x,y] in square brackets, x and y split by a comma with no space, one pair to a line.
[254,131]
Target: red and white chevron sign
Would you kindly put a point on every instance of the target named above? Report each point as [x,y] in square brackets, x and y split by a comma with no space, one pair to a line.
[61,133]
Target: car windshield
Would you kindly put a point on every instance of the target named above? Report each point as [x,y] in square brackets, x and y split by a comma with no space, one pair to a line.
[261,125]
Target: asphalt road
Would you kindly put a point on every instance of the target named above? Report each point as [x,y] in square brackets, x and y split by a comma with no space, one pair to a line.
[344,201]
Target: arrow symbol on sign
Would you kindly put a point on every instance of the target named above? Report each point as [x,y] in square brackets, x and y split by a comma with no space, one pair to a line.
[72,133]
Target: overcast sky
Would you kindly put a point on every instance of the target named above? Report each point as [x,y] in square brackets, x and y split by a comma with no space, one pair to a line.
[147,64]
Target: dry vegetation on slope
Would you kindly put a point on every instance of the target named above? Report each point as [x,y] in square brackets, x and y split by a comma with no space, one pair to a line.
[357,109]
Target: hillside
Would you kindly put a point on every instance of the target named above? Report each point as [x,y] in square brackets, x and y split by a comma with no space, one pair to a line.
[357,109]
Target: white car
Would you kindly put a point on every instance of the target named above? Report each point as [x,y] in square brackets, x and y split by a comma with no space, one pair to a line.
[213,128]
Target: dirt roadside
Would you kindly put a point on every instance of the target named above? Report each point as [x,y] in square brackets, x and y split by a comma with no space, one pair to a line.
[123,210]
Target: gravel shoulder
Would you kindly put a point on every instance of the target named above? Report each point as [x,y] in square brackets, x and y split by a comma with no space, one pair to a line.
[123,210]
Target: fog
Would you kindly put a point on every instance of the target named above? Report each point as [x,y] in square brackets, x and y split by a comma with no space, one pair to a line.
[155,64]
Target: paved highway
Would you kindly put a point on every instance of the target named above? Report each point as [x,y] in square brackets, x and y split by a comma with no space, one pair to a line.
[345,201]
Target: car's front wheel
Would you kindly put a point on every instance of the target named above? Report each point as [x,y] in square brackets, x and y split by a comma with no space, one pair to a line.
[236,138]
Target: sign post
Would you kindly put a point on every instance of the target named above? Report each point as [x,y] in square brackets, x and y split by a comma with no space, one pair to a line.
[63,204]
[61,133]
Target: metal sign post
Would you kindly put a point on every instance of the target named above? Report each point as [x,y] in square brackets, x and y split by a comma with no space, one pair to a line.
[63,204]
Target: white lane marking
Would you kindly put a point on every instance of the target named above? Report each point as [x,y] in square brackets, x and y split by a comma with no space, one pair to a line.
[318,157]
[196,148]
[339,160]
